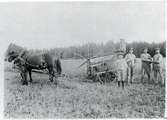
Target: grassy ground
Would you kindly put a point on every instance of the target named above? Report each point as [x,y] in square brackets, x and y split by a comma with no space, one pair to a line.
[77,97]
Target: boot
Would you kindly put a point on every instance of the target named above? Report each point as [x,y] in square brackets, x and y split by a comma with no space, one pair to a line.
[24,83]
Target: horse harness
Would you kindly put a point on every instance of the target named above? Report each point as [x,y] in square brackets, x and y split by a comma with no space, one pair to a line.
[22,59]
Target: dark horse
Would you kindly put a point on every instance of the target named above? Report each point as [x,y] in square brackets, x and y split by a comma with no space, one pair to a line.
[26,61]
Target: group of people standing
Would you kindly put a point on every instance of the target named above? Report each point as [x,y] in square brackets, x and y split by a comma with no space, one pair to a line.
[125,66]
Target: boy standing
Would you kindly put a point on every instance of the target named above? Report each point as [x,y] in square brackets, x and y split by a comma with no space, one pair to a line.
[130,59]
[121,67]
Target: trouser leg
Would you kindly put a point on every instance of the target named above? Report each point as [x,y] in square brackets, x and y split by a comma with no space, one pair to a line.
[122,84]
[119,77]
[148,71]
[161,77]
[123,78]
[148,74]
[142,76]
[129,74]
[155,76]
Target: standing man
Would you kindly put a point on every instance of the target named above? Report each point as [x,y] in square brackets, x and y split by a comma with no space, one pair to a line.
[131,60]
[146,64]
[157,66]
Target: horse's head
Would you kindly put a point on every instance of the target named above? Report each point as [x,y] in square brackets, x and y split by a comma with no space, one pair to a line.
[11,56]
[12,52]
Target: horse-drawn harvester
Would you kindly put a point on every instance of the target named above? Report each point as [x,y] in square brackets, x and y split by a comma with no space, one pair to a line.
[102,68]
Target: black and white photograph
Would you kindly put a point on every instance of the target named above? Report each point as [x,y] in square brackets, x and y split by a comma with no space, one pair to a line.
[76,59]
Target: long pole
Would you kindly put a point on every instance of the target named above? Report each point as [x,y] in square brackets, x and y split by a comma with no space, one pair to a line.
[88,64]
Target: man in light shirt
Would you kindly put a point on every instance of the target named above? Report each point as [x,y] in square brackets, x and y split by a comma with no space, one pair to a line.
[157,66]
[131,60]
[146,64]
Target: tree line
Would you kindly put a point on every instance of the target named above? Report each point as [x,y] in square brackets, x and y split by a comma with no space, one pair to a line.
[139,46]
[93,49]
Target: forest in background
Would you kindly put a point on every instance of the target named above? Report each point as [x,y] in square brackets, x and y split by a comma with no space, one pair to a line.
[108,48]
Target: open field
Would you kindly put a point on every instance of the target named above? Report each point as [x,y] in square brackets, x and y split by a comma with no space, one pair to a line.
[77,97]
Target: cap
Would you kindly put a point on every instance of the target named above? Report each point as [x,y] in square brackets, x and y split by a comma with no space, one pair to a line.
[145,48]
[157,48]
[131,48]
[119,52]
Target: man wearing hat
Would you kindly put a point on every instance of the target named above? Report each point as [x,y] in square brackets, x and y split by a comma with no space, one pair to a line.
[130,59]
[157,66]
[121,67]
[146,64]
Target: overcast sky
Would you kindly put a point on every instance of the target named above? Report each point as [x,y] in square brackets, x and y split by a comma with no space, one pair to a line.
[50,25]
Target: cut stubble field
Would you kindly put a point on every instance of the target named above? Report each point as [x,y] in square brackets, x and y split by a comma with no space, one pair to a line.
[77,97]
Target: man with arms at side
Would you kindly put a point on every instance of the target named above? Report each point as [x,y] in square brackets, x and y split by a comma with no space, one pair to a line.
[157,66]
[131,60]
